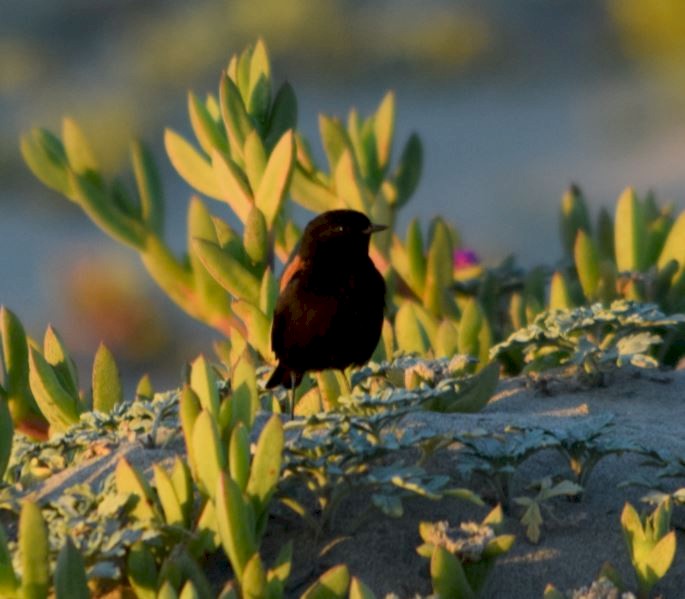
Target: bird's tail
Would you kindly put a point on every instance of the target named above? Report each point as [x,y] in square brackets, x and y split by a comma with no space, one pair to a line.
[284,376]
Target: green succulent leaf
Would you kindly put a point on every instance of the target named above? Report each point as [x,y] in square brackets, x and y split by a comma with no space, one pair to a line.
[203,382]
[409,170]
[256,236]
[195,169]
[384,128]
[332,584]
[255,159]
[283,114]
[14,353]
[233,185]
[142,571]
[575,218]
[171,506]
[239,455]
[630,233]
[9,583]
[189,409]
[79,153]
[129,481]
[447,574]
[236,119]
[227,271]
[59,407]
[274,184]
[208,451]
[70,574]
[34,551]
[312,194]
[107,391]
[205,127]
[149,187]
[587,264]
[45,156]
[266,465]
[237,537]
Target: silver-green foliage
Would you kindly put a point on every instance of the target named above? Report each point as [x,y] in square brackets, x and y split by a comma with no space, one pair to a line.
[591,338]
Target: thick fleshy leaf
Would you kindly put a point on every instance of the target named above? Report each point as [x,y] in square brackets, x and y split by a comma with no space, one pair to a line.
[209,452]
[232,184]
[409,170]
[56,354]
[227,271]
[358,590]
[104,212]
[332,584]
[188,411]
[274,184]
[142,572]
[630,233]
[410,333]
[149,187]
[587,264]
[129,481]
[173,514]
[574,218]
[254,579]
[447,574]
[78,150]
[59,407]
[258,327]
[283,114]
[266,464]
[255,159]
[236,119]
[206,129]
[559,293]
[347,186]
[334,139]
[45,156]
[256,236]
[6,436]
[107,391]
[311,193]
[34,550]
[203,381]
[237,538]
[9,583]
[245,397]
[15,353]
[674,247]
[384,127]
[239,456]
[70,574]
[196,170]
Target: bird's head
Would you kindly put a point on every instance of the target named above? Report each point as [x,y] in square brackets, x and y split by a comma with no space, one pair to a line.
[344,232]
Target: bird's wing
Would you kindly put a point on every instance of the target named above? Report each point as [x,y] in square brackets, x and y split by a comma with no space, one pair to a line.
[301,318]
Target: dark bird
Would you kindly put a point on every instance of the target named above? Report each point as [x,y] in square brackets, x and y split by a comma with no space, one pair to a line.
[329,313]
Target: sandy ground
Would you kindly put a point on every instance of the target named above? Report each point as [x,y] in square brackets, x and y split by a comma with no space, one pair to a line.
[648,407]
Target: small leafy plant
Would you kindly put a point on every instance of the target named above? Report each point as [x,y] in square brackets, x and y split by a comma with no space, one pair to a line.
[590,339]
[462,557]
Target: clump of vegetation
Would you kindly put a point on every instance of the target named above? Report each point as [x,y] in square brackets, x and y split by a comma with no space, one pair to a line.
[451,323]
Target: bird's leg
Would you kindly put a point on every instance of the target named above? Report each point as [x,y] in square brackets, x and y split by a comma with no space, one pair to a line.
[347,377]
[291,394]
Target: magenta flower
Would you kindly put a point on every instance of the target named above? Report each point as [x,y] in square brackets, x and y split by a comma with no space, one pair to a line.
[465,258]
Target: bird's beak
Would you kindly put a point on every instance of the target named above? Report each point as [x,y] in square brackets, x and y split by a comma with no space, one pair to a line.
[375,229]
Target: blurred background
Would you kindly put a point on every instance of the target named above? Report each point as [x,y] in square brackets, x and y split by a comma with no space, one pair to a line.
[513,102]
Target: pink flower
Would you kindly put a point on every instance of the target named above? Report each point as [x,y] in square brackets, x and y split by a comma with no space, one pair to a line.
[465,258]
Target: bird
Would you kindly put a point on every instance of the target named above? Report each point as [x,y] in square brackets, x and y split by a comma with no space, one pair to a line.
[330,309]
